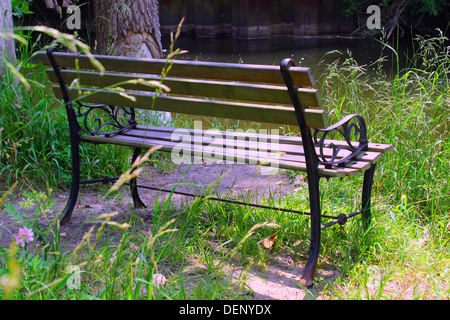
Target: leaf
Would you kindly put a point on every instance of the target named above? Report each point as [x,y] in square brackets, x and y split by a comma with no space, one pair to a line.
[158,280]
[268,242]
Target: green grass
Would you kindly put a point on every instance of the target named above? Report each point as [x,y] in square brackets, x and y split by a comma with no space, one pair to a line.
[405,253]
[34,137]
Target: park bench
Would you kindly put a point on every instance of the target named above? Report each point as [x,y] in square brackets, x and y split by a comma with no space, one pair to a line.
[280,95]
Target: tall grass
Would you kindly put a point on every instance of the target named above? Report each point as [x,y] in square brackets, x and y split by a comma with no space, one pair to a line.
[405,253]
[34,133]
[410,110]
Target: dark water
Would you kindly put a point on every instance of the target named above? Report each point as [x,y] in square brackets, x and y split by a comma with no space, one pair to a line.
[314,53]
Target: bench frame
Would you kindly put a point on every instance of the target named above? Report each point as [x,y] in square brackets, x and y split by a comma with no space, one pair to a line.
[310,142]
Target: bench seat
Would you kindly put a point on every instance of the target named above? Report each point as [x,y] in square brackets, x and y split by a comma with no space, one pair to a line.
[284,152]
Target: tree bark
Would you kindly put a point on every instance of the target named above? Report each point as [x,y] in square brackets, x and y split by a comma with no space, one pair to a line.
[128,28]
[7,47]
[53,5]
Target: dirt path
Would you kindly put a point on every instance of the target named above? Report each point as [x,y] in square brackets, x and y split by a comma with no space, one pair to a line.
[280,281]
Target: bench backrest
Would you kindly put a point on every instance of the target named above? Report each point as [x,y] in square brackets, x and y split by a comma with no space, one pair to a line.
[225,90]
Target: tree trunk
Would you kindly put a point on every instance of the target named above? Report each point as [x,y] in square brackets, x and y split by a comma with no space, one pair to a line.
[7,47]
[128,28]
[53,5]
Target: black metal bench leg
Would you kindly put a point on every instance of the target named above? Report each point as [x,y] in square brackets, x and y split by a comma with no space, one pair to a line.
[366,194]
[138,203]
[74,190]
[314,199]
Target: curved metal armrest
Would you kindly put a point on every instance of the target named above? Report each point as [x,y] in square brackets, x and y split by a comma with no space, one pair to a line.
[117,116]
[121,118]
[351,125]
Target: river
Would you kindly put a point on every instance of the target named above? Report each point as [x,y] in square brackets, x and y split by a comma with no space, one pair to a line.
[308,52]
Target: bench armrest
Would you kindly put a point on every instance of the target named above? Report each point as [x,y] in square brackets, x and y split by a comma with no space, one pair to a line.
[350,126]
[93,118]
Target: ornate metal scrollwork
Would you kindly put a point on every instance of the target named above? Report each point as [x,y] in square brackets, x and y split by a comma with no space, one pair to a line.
[121,118]
[347,128]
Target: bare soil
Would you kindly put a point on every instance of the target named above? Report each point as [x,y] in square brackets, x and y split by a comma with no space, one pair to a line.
[278,281]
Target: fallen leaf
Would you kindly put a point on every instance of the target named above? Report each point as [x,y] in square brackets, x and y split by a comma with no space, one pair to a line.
[62,234]
[300,180]
[158,280]
[191,270]
[134,246]
[268,242]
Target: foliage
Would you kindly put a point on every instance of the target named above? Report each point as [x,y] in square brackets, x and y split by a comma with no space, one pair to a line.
[431,7]
[396,13]
[21,7]
[33,129]
[418,97]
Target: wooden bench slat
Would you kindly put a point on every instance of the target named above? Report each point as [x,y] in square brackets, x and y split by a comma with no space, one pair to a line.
[373,147]
[354,169]
[371,156]
[195,69]
[223,109]
[276,94]
[291,151]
